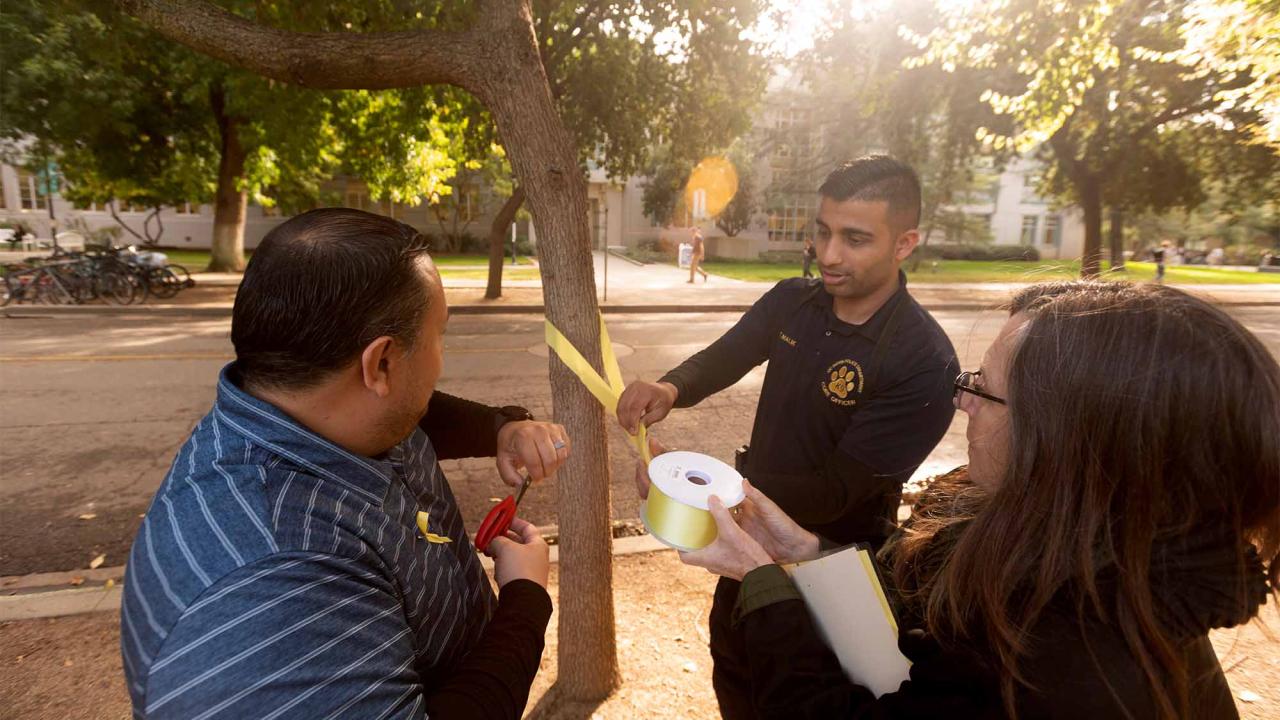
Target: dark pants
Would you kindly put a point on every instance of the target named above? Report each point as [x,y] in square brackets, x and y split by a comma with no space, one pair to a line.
[730,673]
[808,266]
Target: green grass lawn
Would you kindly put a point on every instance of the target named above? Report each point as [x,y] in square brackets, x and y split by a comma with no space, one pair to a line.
[519,273]
[447,260]
[198,260]
[192,260]
[976,271]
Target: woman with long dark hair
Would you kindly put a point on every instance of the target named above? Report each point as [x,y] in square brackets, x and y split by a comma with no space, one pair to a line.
[1122,499]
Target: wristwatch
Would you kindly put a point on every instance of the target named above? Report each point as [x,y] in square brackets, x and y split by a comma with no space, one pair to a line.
[510,413]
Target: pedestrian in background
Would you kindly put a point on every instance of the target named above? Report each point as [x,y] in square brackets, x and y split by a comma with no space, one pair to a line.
[699,252]
[1159,256]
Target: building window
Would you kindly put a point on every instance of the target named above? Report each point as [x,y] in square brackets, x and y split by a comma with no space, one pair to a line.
[790,223]
[792,158]
[28,198]
[1030,223]
[1053,230]
[468,204]
[357,199]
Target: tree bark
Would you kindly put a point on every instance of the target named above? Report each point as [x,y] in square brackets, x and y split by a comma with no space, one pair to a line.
[1115,233]
[1090,190]
[545,162]
[327,60]
[231,199]
[497,242]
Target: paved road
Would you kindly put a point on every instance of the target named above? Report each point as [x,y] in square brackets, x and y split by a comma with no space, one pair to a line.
[92,409]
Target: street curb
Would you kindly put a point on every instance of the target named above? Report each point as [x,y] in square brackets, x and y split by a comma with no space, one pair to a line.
[103,598]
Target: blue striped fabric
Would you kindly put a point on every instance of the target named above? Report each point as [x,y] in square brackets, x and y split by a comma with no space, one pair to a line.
[277,575]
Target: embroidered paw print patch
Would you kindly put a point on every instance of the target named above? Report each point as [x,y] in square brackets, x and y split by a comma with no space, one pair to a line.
[842,382]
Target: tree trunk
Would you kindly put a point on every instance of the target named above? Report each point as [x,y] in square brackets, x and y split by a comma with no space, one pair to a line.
[1116,239]
[545,162]
[497,242]
[230,198]
[1091,203]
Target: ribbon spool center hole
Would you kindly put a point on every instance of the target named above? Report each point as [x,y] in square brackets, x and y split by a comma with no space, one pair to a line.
[697,477]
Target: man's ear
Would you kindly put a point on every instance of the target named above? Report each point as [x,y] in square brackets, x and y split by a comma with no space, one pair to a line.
[905,243]
[375,365]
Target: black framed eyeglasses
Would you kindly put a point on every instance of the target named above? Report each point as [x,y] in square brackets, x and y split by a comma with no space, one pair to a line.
[968,382]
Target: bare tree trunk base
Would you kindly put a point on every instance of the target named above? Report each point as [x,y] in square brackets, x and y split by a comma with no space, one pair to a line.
[555,705]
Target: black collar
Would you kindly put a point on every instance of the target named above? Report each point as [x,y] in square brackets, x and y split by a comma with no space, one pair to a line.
[874,326]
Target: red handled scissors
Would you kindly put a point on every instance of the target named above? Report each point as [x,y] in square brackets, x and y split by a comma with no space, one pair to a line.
[498,521]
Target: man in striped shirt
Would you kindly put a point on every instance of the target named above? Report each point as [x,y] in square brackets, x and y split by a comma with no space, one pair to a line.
[305,557]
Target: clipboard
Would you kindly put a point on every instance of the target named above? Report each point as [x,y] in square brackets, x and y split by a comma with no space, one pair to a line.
[848,603]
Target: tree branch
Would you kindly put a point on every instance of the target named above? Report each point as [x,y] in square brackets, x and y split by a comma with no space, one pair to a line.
[111,208]
[328,60]
[572,37]
[1063,149]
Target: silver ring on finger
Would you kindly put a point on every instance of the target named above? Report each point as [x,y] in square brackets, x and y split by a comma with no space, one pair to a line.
[558,445]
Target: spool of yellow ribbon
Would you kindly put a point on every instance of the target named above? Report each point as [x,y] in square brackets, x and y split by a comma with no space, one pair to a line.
[680,486]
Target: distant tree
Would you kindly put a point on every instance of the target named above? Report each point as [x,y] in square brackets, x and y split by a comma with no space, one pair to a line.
[859,94]
[740,211]
[146,124]
[1123,77]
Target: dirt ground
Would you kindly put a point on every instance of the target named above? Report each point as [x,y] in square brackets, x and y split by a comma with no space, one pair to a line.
[69,668]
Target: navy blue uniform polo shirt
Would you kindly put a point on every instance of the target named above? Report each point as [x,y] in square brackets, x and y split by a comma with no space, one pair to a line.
[836,433]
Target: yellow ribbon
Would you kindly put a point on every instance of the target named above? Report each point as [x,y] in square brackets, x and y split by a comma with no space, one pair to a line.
[676,524]
[606,391]
[424,526]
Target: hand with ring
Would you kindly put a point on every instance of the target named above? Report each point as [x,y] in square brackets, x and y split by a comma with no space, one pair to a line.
[539,448]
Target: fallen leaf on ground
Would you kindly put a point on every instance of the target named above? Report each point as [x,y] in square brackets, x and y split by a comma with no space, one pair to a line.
[1249,696]
[76,581]
[88,516]
[110,583]
[96,563]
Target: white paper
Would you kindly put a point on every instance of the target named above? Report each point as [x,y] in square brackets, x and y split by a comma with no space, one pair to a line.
[849,608]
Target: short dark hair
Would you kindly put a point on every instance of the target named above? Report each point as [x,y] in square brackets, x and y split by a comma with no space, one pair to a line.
[321,287]
[878,177]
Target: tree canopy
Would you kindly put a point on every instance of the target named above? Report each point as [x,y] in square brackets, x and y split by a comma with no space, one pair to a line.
[1093,81]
